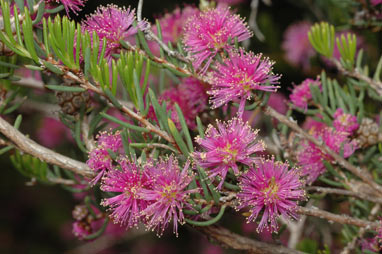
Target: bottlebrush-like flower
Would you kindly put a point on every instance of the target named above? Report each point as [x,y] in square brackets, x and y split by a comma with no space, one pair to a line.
[301,94]
[345,122]
[99,158]
[311,158]
[272,189]
[129,181]
[210,32]
[172,24]
[238,75]
[168,195]
[226,146]
[114,24]
[70,5]
[296,45]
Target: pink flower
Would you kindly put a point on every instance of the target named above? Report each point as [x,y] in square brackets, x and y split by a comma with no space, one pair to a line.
[129,181]
[312,125]
[311,158]
[99,158]
[345,122]
[52,132]
[81,229]
[172,24]
[210,32]
[191,97]
[376,2]
[70,5]
[238,76]
[231,143]
[296,45]
[301,94]
[168,196]
[271,189]
[114,24]
[370,244]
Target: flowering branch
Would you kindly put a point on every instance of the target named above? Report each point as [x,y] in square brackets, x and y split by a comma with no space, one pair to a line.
[362,174]
[29,146]
[89,86]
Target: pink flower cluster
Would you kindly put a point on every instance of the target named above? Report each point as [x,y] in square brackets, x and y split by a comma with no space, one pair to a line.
[311,158]
[226,146]
[172,24]
[270,189]
[237,76]
[301,94]
[192,98]
[99,158]
[296,45]
[210,32]
[113,24]
[345,122]
[154,195]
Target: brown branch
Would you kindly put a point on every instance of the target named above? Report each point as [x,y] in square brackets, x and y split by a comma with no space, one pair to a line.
[232,240]
[342,219]
[376,85]
[89,86]
[359,195]
[29,146]
[362,174]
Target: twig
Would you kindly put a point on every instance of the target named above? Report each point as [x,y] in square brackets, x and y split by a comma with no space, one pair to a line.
[376,85]
[30,82]
[252,20]
[89,141]
[362,174]
[295,228]
[149,33]
[62,181]
[352,244]
[89,86]
[29,146]
[359,195]
[342,219]
[232,240]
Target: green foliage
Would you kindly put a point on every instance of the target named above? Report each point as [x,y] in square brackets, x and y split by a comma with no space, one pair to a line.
[347,45]
[308,246]
[321,36]
[30,166]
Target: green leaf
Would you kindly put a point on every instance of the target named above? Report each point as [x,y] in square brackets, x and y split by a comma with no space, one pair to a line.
[178,138]
[73,89]
[52,68]
[124,124]
[209,222]
[185,129]
[321,36]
